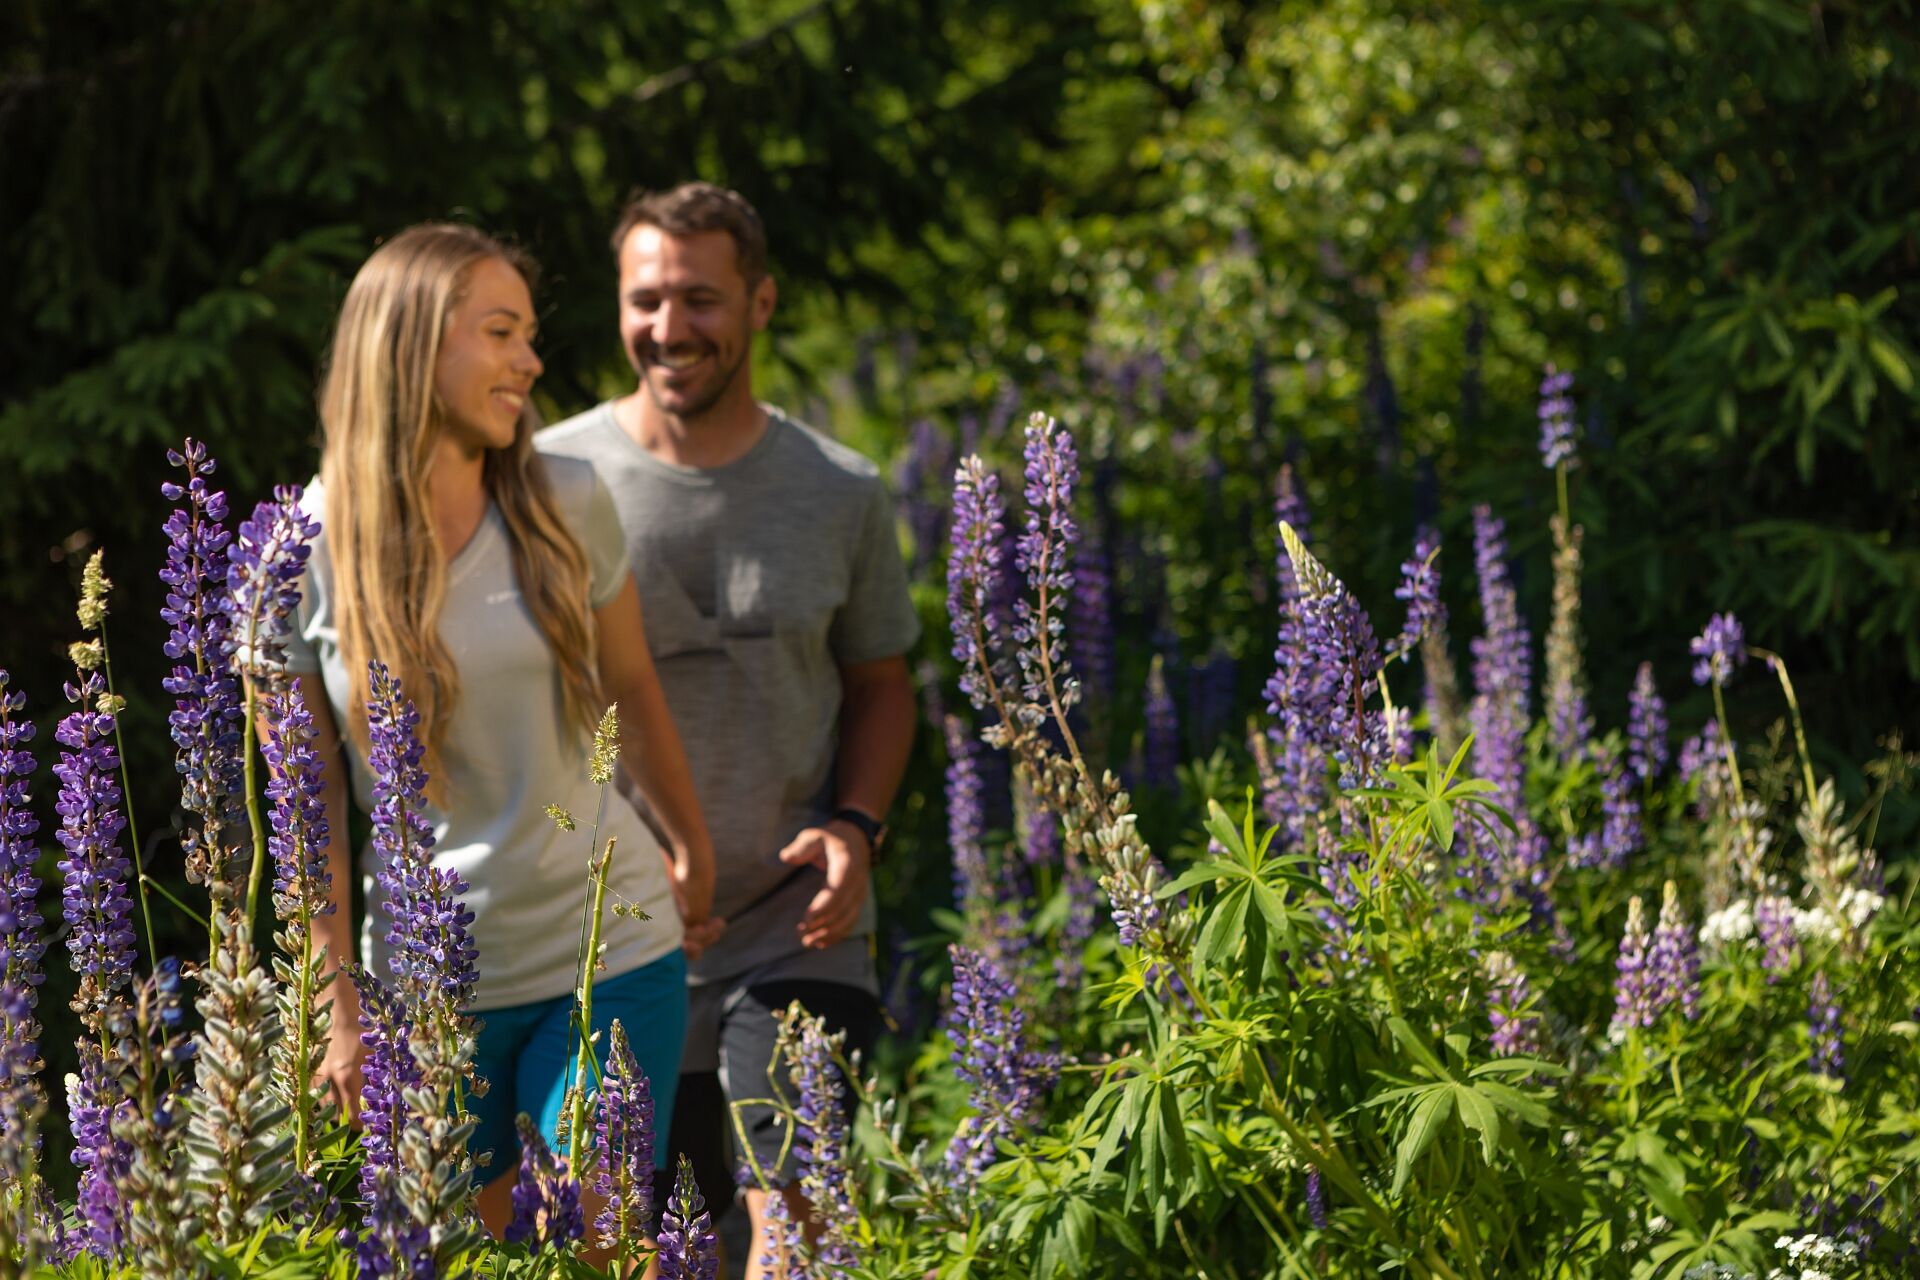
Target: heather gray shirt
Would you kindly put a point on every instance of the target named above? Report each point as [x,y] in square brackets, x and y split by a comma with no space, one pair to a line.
[758,581]
[509,752]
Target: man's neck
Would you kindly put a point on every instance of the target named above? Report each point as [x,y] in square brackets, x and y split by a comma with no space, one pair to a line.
[725,433]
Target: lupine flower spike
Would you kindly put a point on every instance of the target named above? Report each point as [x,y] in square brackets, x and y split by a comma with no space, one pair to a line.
[1045,557]
[1646,728]
[821,1142]
[1827,1056]
[1009,1081]
[546,1198]
[623,1142]
[1674,964]
[207,718]
[1162,754]
[1510,1008]
[688,1247]
[1634,986]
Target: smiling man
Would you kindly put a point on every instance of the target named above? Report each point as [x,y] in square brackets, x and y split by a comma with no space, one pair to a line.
[778,617]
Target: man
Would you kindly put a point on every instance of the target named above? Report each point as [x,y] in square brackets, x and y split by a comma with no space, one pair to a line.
[777,612]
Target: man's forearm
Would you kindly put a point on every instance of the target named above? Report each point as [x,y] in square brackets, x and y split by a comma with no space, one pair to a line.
[877,720]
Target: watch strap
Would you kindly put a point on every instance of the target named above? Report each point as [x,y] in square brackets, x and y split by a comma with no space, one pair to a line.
[871,827]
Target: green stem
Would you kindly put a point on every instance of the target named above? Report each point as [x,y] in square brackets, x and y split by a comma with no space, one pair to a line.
[1779,666]
[1560,481]
[578,1100]
[299,1091]
[191,914]
[1733,763]
[256,828]
[126,792]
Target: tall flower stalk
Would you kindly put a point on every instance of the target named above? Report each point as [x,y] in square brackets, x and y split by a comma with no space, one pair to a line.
[1008,1080]
[688,1248]
[206,721]
[264,566]
[545,1196]
[621,1172]
[1094,811]
[164,1215]
[821,1138]
[22,1104]
[602,757]
[302,892]
[1299,770]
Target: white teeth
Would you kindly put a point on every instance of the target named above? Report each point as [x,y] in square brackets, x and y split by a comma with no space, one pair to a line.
[678,362]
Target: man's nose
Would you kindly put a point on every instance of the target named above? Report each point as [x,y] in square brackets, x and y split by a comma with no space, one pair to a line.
[669,324]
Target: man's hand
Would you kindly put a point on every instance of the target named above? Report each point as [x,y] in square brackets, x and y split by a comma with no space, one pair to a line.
[840,849]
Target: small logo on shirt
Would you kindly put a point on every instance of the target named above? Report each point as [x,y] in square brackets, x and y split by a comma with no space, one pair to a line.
[504,597]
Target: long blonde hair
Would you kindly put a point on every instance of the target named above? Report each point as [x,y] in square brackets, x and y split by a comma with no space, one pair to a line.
[382,422]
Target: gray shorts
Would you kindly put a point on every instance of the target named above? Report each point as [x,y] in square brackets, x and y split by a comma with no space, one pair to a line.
[729,1059]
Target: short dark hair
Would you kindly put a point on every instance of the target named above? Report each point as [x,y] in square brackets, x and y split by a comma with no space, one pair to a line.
[694,207]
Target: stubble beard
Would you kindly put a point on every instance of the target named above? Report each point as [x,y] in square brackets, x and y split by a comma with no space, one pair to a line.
[694,410]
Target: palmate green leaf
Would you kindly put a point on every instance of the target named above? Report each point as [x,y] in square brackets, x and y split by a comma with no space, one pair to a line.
[1226,926]
[1429,1114]
[1480,1116]
[1065,1235]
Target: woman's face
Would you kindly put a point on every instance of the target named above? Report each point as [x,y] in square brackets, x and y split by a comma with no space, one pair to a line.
[487,364]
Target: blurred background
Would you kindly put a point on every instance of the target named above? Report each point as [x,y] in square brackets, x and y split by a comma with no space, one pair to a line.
[1213,238]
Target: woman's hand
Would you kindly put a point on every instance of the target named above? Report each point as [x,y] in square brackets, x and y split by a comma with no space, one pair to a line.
[690,875]
[340,1068]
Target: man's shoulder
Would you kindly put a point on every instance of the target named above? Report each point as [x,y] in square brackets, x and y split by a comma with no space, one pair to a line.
[580,436]
[813,457]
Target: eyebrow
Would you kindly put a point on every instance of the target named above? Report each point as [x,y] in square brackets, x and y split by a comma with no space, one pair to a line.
[508,312]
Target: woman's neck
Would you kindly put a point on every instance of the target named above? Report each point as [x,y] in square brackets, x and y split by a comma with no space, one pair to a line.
[457,494]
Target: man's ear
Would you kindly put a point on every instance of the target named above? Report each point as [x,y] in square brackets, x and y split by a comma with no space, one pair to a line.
[765,294]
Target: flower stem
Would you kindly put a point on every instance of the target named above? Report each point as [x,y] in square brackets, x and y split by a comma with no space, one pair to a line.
[191,914]
[1733,763]
[1779,665]
[256,828]
[126,792]
[578,1100]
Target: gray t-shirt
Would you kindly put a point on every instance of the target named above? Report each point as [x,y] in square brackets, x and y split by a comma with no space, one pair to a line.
[509,752]
[759,580]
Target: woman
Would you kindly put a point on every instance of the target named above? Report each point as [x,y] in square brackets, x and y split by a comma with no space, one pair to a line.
[494,583]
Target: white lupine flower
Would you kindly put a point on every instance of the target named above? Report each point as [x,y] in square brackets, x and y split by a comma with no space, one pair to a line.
[1858,905]
[1815,924]
[1730,924]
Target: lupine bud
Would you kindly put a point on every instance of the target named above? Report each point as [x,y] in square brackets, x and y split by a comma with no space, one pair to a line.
[1719,650]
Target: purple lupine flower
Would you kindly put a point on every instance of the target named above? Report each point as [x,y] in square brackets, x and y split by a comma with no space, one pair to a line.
[688,1247]
[1316,1199]
[1779,941]
[1673,964]
[1719,650]
[207,721]
[22,943]
[1210,689]
[546,1197]
[1703,765]
[1336,630]
[1646,728]
[920,480]
[973,889]
[22,1103]
[94,1098]
[1827,1055]
[264,565]
[1569,722]
[1043,842]
[1620,836]
[94,900]
[1009,1081]
[1634,984]
[393,1244]
[388,1071]
[298,837]
[1556,420]
[1090,619]
[1162,755]
[433,957]
[1516,1025]
[1045,557]
[1502,666]
[781,1245]
[820,1145]
[622,1169]
[1420,588]
[1297,692]
[974,576]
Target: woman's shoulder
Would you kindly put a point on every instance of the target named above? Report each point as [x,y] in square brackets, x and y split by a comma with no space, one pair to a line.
[570,480]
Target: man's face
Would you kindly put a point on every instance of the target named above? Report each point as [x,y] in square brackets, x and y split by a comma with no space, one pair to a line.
[688,318]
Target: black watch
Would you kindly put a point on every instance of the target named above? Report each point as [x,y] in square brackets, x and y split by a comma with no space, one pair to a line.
[872,828]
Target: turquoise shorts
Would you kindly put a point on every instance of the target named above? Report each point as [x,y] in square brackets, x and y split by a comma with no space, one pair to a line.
[525,1051]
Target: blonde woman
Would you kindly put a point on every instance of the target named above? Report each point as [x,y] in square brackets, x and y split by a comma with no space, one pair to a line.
[494,582]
